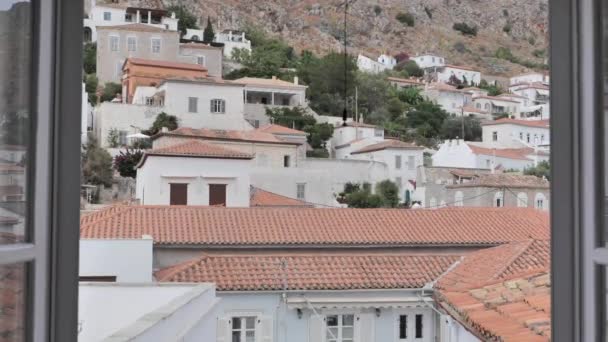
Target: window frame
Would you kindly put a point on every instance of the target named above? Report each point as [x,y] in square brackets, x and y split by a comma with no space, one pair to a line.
[222,106]
[303,197]
[192,102]
[160,44]
[129,39]
[111,40]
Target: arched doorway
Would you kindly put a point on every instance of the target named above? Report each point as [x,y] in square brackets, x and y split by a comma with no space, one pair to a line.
[88,34]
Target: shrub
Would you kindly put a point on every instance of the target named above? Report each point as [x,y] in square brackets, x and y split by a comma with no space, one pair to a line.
[406,19]
[187,20]
[110,90]
[125,162]
[531,40]
[507,28]
[96,164]
[162,120]
[377,10]
[465,29]
[113,138]
[428,12]
[89,58]
[540,53]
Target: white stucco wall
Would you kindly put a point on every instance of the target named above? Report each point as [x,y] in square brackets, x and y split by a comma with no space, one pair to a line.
[155,176]
[447,72]
[452,331]
[367,64]
[129,260]
[451,101]
[511,135]
[454,153]
[343,135]
[529,78]
[429,61]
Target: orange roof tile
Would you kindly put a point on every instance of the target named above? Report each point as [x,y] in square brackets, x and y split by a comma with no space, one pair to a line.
[278,129]
[495,98]
[166,64]
[501,293]
[388,144]
[231,135]
[263,198]
[11,190]
[135,27]
[189,225]
[405,80]
[194,45]
[510,153]
[510,180]
[529,123]
[316,271]
[268,82]
[194,148]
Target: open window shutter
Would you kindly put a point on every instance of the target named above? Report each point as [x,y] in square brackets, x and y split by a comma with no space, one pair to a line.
[316,328]
[364,327]
[223,330]
[265,331]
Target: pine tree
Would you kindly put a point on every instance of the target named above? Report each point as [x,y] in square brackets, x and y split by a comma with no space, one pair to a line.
[208,34]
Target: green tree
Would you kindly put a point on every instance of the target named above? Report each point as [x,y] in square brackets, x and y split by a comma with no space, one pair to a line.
[113,138]
[295,117]
[452,128]
[427,119]
[96,164]
[125,162]
[406,19]
[208,33]
[465,29]
[187,20]
[89,58]
[389,192]
[110,90]
[162,120]
[542,169]
[90,86]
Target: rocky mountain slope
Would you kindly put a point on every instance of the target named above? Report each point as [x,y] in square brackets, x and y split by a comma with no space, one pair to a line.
[317,25]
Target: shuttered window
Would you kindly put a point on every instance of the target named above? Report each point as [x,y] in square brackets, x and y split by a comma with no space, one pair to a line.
[192,105]
[178,194]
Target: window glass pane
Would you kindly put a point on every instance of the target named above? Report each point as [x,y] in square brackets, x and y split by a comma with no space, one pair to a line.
[250,336]
[332,321]
[348,320]
[12,302]
[15,116]
[236,323]
[403,326]
[418,326]
[250,323]
[236,336]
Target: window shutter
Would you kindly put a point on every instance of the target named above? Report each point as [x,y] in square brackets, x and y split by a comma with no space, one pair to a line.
[265,332]
[364,327]
[316,328]
[211,109]
[223,330]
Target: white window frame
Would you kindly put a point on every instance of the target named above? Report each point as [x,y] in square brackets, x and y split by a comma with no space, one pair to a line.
[495,136]
[153,46]
[340,325]
[114,38]
[398,162]
[218,106]
[301,191]
[411,163]
[203,58]
[132,39]
[427,325]
[107,16]
[243,330]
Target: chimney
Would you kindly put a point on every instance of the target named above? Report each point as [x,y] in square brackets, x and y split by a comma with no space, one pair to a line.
[274,78]
[164,130]
[296,80]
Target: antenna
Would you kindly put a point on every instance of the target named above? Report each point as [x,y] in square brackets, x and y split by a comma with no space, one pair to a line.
[345,112]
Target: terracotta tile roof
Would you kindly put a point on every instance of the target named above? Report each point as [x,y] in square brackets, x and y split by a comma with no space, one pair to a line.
[509,180]
[263,198]
[445,87]
[468,173]
[387,145]
[501,293]
[357,124]
[405,80]
[231,135]
[166,64]
[193,45]
[189,225]
[474,110]
[268,82]
[512,95]
[316,271]
[528,123]
[135,27]
[494,98]
[278,129]
[201,80]
[510,153]
[4,220]
[194,148]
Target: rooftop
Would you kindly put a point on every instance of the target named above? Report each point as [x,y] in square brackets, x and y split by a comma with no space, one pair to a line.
[387,145]
[135,27]
[405,80]
[268,82]
[501,293]
[494,98]
[509,180]
[209,226]
[263,198]
[460,67]
[231,135]
[281,130]
[316,271]
[196,148]
[528,123]
[509,153]
[165,64]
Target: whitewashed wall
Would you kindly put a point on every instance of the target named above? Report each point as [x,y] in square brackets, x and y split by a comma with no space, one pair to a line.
[447,72]
[509,135]
[429,61]
[129,260]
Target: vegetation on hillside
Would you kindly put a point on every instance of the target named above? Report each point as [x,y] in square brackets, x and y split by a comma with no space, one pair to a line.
[96,163]
[542,169]
[162,120]
[360,195]
[465,29]
[187,20]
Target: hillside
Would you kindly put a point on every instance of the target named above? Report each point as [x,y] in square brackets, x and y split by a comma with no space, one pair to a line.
[519,26]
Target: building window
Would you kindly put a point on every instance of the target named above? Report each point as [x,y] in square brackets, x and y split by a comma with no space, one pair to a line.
[458,199]
[301,191]
[118,72]
[256,123]
[217,195]
[402,327]
[478,105]
[498,200]
[378,132]
[486,106]
[539,201]
[494,136]
[488,163]
[286,161]
[243,329]
[107,16]
[122,138]
[218,106]
[418,327]
[114,41]
[542,138]
[132,44]
[528,137]
[149,101]
[178,194]
[522,200]
[397,162]
[411,163]
[155,45]
[193,105]
[340,328]
[521,136]
[200,60]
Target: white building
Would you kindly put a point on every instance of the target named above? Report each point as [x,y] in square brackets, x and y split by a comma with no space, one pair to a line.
[115,14]
[429,61]
[461,154]
[451,99]
[510,133]
[367,64]
[197,103]
[463,74]
[231,39]
[537,93]
[533,77]
[497,105]
[387,60]
[261,94]
[353,136]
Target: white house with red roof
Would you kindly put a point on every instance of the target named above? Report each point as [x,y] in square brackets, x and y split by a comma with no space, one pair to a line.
[462,73]
[472,155]
[497,104]
[516,133]
[451,99]
[425,61]
[531,77]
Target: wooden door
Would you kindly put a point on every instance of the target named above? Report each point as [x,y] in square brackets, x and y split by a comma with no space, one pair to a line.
[217,195]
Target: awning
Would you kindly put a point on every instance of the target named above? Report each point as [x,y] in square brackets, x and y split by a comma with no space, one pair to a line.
[354,302]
